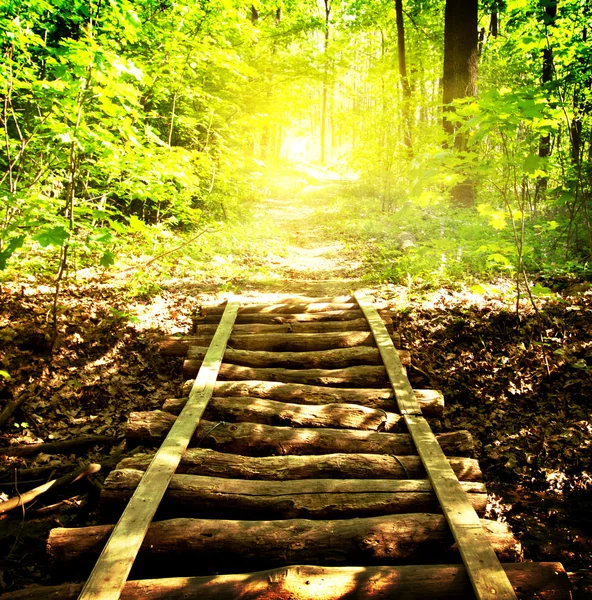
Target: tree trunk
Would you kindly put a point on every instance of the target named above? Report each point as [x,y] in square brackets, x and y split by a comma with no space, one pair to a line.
[252,439]
[362,377]
[196,496]
[322,359]
[550,7]
[460,75]
[546,581]
[324,111]
[60,446]
[199,546]
[431,401]
[200,461]
[494,20]
[403,74]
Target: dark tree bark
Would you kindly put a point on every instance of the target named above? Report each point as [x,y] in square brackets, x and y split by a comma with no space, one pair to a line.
[494,22]
[403,74]
[460,75]
[550,14]
[547,68]
[325,102]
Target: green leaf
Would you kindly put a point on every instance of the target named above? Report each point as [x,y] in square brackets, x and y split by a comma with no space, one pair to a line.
[540,290]
[483,288]
[534,163]
[124,315]
[55,236]
[13,245]
[102,235]
[117,226]
[499,259]
[108,259]
[136,225]
[4,374]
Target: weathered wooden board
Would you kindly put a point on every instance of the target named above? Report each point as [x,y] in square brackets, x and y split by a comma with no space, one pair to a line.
[223,498]
[544,581]
[485,572]
[200,546]
[202,461]
[253,439]
[117,557]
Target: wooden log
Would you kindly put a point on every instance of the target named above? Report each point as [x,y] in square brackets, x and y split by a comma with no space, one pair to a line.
[270,412]
[11,407]
[199,326]
[201,461]
[253,439]
[276,318]
[222,498]
[54,484]
[199,546]
[283,308]
[321,359]
[273,342]
[430,401]
[365,376]
[542,581]
[60,446]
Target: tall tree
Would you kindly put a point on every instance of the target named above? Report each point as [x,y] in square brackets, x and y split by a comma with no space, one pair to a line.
[549,18]
[460,74]
[403,73]
[325,101]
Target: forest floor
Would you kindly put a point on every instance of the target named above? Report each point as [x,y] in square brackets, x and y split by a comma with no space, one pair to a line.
[520,383]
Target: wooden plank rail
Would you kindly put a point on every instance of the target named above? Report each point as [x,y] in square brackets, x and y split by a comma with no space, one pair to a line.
[115,562]
[299,464]
[487,576]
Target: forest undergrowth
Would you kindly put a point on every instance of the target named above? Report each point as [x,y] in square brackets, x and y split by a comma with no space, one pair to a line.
[519,381]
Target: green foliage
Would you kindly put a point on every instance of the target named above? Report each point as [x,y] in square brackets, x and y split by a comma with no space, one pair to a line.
[128,125]
[101,135]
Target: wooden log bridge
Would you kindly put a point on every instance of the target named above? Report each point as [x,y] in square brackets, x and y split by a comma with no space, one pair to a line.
[297,463]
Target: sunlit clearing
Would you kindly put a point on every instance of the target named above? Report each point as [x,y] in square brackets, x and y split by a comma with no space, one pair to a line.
[297,149]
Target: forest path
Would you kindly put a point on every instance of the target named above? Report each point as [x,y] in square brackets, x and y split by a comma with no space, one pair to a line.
[306,253]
